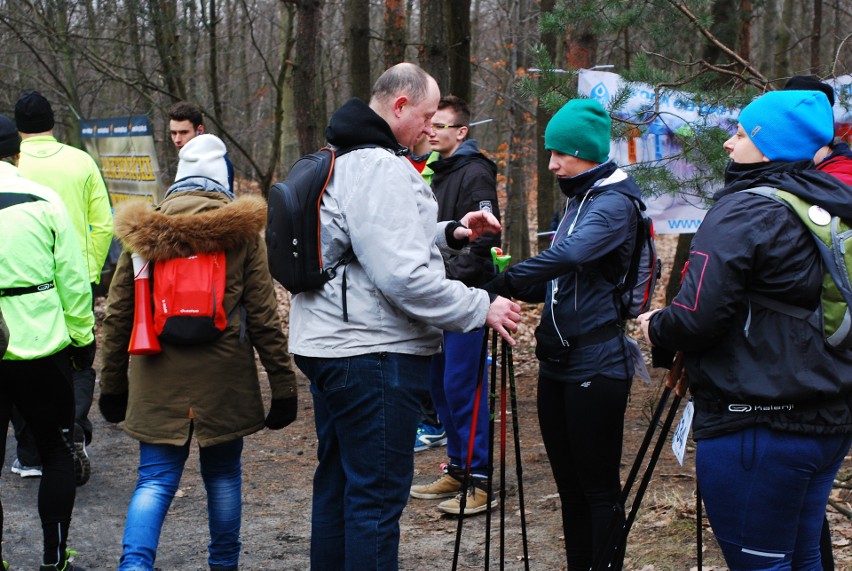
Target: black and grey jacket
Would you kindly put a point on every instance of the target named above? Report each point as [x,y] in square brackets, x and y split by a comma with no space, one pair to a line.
[748,364]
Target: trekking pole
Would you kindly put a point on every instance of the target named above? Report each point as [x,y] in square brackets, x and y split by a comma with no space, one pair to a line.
[518,468]
[492,396]
[503,372]
[699,555]
[500,262]
[617,534]
[466,480]
[678,380]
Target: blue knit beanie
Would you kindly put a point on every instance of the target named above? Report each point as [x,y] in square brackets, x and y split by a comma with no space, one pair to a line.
[789,125]
[580,129]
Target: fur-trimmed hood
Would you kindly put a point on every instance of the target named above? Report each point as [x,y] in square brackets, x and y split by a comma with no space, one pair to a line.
[187,224]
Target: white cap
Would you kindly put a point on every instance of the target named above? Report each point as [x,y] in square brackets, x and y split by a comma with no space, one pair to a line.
[204,155]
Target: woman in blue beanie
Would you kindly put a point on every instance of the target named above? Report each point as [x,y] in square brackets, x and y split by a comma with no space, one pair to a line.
[585,364]
[773,411]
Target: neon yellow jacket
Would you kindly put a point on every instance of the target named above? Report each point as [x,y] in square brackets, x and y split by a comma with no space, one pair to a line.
[75,177]
[38,246]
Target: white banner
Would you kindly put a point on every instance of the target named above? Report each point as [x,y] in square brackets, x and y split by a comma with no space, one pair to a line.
[656,144]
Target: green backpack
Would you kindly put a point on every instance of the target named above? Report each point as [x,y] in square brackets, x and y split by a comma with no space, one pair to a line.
[833,237]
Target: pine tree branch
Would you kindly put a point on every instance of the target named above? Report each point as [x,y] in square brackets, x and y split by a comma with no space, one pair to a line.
[706,33]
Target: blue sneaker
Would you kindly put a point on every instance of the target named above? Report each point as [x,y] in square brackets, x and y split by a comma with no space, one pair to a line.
[429,437]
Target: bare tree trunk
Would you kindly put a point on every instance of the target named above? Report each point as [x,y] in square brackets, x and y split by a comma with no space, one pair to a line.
[458,18]
[356,17]
[743,46]
[308,130]
[394,32]
[782,47]
[282,120]
[213,66]
[770,31]
[433,54]
[816,36]
[164,23]
[547,197]
[516,235]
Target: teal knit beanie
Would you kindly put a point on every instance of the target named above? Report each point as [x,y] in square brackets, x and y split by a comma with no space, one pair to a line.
[788,125]
[580,129]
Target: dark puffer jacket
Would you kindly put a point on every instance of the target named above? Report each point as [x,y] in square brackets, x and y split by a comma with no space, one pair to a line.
[741,353]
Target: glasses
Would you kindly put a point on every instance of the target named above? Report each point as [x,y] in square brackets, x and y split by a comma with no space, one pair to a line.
[439,126]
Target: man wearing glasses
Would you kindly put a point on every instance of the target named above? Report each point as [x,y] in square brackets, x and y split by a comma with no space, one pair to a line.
[464,181]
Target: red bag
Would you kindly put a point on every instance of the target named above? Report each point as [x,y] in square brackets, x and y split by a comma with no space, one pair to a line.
[189,298]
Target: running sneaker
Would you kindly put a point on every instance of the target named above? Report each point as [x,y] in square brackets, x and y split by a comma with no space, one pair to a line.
[429,437]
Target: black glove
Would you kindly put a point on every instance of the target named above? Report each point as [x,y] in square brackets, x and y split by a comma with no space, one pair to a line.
[82,357]
[113,407]
[282,412]
[662,358]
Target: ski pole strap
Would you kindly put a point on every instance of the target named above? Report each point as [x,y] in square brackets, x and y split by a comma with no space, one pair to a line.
[13,291]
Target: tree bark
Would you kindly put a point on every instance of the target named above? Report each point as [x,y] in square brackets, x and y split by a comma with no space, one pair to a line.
[516,233]
[213,64]
[308,130]
[816,36]
[167,42]
[357,21]
[547,197]
[432,53]
[458,18]
[394,32]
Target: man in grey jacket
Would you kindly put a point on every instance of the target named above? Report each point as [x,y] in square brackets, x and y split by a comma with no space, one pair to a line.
[369,371]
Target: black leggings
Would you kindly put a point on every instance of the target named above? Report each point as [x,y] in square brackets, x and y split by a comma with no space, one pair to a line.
[41,391]
[582,426]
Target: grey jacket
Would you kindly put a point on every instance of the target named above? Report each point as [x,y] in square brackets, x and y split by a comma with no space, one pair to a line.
[398,298]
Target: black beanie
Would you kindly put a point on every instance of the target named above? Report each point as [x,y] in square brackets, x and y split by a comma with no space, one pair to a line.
[810,83]
[33,113]
[10,140]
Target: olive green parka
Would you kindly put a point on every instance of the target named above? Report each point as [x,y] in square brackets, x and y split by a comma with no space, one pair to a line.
[213,387]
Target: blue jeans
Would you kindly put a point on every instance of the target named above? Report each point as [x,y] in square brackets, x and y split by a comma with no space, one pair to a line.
[366,410]
[160,469]
[765,492]
[453,391]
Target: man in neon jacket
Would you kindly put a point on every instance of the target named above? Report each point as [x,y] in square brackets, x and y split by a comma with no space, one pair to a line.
[76,178]
[46,303]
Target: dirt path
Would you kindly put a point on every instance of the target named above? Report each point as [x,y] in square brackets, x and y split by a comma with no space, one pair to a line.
[278,467]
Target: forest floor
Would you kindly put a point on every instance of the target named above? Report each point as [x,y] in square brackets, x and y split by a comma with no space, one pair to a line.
[278,467]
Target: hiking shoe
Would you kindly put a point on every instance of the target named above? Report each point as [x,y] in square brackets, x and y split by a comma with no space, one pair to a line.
[476,503]
[429,437]
[26,471]
[444,487]
[82,466]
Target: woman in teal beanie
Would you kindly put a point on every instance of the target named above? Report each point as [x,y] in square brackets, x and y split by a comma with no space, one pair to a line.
[585,365]
[773,401]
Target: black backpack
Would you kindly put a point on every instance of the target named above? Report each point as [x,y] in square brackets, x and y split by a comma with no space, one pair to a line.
[293,223]
[638,284]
